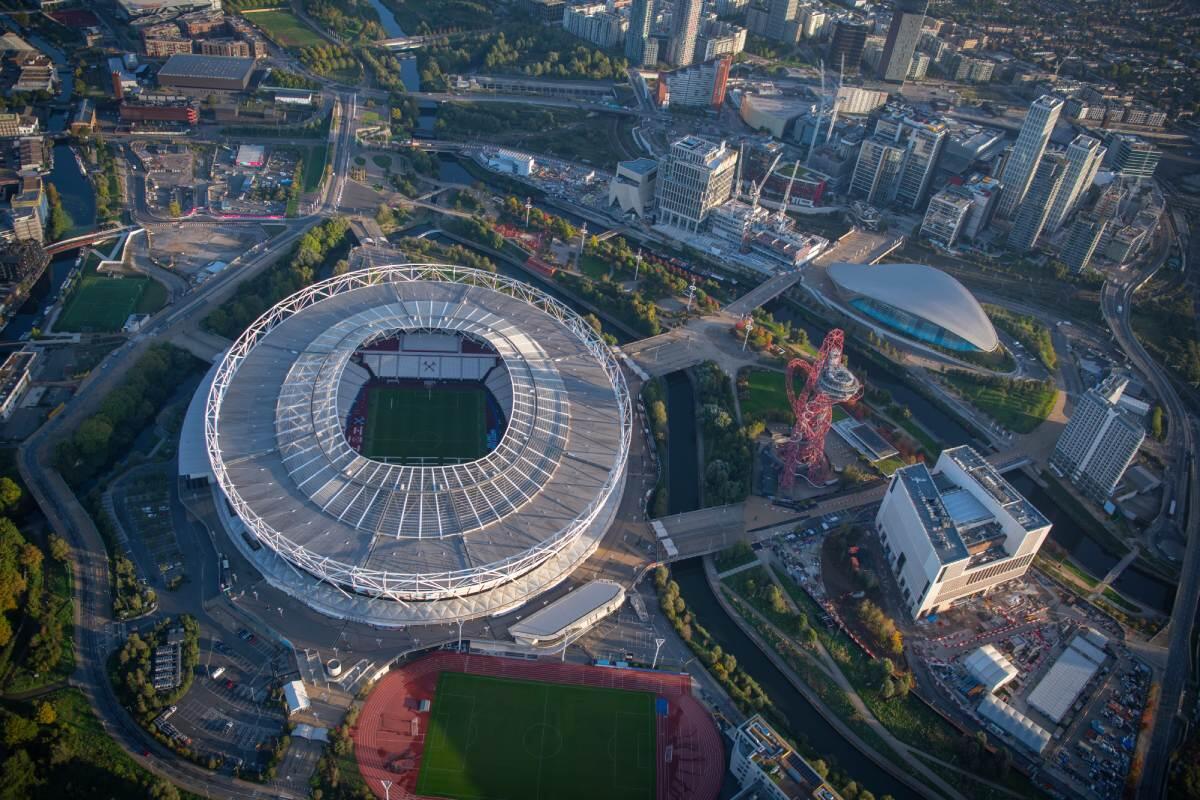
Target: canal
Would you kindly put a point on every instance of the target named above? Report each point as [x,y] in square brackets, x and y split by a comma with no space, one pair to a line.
[79,201]
[1068,534]
[803,719]
[387,20]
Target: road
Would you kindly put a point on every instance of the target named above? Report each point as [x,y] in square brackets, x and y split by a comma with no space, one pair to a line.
[92,590]
[1116,301]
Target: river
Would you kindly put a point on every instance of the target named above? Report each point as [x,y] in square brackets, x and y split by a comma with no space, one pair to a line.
[79,201]
[803,718]
[387,20]
[1089,554]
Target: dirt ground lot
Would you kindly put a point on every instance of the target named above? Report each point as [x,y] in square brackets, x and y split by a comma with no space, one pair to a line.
[192,247]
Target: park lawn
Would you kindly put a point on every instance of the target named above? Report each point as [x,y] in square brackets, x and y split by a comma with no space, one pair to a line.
[101,304]
[594,267]
[1019,406]
[382,160]
[313,170]
[286,29]
[446,425]
[767,393]
[506,739]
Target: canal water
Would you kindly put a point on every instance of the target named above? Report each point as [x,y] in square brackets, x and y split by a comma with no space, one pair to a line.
[387,20]
[803,719]
[80,202]
[1090,554]
[683,493]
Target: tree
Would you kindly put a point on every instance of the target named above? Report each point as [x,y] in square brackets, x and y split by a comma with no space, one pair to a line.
[162,789]
[175,210]
[18,730]
[10,494]
[59,549]
[18,776]
[45,714]
[1157,423]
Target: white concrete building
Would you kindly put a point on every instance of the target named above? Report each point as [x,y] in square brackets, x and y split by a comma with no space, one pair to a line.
[632,187]
[956,532]
[693,179]
[570,616]
[596,24]
[767,767]
[945,216]
[1100,441]
[14,380]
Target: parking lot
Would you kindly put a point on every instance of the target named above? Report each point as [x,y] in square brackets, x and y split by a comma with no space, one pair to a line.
[229,710]
[142,499]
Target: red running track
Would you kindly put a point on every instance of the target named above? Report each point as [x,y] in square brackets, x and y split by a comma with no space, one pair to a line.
[691,756]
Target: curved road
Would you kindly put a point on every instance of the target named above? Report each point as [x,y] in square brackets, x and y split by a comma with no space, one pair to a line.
[1116,300]
[92,590]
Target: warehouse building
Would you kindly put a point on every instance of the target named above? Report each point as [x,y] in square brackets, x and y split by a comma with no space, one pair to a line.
[206,72]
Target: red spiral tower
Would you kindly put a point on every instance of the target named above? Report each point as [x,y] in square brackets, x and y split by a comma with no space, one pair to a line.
[827,381]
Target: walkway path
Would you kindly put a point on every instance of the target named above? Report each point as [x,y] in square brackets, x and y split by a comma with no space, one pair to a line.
[943,789]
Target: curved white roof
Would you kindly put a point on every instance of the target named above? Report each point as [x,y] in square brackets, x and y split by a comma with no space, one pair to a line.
[924,292]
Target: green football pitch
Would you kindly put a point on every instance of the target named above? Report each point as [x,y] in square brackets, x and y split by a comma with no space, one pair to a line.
[439,425]
[499,739]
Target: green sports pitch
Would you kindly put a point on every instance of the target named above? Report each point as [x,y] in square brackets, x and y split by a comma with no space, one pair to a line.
[500,739]
[442,424]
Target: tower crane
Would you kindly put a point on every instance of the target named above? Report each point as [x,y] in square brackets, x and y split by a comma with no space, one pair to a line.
[755,193]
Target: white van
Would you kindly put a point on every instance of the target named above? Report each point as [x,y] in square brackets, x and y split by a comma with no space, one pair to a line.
[218,672]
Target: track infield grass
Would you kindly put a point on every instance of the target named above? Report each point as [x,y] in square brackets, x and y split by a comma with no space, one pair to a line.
[440,424]
[500,739]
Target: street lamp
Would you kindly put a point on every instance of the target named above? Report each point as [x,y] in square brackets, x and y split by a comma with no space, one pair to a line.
[658,643]
[387,789]
[749,327]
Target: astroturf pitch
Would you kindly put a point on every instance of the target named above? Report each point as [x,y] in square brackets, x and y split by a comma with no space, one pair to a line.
[438,424]
[500,739]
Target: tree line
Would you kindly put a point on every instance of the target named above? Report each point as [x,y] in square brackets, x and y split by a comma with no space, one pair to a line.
[728,447]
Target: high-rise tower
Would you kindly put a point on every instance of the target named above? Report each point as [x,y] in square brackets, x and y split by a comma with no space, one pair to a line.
[1027,152]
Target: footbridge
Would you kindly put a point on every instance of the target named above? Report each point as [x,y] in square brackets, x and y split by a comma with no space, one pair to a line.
[87,238]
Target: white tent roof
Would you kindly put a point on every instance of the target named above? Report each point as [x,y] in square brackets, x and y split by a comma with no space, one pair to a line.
[297,697]
[1027,732]
[1055,693]
[989,666]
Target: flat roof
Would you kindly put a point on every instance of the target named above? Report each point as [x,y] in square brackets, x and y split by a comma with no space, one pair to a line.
[935,519]
[992,482]
[184,65]
[639,165]
[1057,691]
[565,612]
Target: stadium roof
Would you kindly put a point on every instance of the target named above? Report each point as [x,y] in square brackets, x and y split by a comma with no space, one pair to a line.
[924,292]
[276,437]
[989,666]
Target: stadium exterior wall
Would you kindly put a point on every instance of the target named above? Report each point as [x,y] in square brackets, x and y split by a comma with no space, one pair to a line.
[589,524]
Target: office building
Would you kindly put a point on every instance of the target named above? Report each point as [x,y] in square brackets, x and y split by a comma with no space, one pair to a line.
[26,225]
[701,85]
[846,46]
[641,14]
[1133,156]
[1031,218]
[1082,241]
[594,23]
[685,28]
[946,215]
[877,171]
[902,37]
[919,67]
[693,178]
[773,19]
[812,23]
[768,768]
[1027,152]
[544,10]
[925,139]
[1100,441]
[719,39]
[955,532]
[1084,156]
[632,187]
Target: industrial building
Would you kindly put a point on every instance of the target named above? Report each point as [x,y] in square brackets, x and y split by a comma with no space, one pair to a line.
[917,301]
[1058,689]
[956,532]
[206,73]
[1100,441]
[695,177]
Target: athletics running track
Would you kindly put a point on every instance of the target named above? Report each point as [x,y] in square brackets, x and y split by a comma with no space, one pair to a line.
[691,756]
